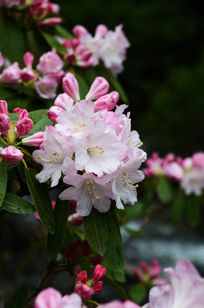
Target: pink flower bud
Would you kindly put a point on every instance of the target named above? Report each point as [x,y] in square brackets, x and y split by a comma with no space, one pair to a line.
[64,101]
[70,58]
[144,267]
[198,160]
[82,277]
[11,74]
[24,126]
[50,22]
[11,155]
[57,75]
[97,288]
[83,291]
[55,8]
[75,219]
[70,86]
[23,114]
[86,55]
[27,75]
[101,30]
[87,63]
[67,43]
[75,42]
[28,59]
[155,269]
[46,87]
[3,106]
[99,272]
[99,87]
[50,62]
[80,49]
[1,60]
[17,110]
[108,101]
[79,30]
[53,113]
[34,141]
[72,205]
[4,123]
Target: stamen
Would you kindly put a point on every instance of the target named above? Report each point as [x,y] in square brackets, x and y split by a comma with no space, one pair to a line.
[52,158]
[79,127]
[95,151]
[91,188]
[122,178]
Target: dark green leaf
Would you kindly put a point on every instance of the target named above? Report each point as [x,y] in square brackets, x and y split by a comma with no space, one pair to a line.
[37,115]
[15,204]
[41,200]
[18,298]
[13,117]
[178,206]
[138,293]
[164,190]
[193,211]
[3,183]
[40,126]
[54,43]
[55,242]
[83,87]
[96,231]
[113,258]
[61,31]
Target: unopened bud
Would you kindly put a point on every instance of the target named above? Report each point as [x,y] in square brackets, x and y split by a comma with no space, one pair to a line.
[3,106]
[82,277]
[53,113]
[83,291]
[70,86]
[79,30]
[28,59]
[99,87]
[99,272]
[4,123]
[11,155]
[107,102]
[64,101]
[24,126]
[34,141]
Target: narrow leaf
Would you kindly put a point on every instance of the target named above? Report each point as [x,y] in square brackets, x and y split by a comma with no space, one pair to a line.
[54,43]
[15,204]
[138,293]
[40,125]
[63,32]
[96,231]
[178,206]
[164,190]
[41,200]
[3,183]
[37,115]
[55,242]
[83,87]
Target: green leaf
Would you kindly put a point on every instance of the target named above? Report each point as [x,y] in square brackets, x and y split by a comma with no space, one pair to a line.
[40,125]
[55,242]
[41,200]
[113,258]
[83,87]
[3,183]
[15,204]
[178,206]
[193,211]
[54,43]
[38,114]
[96,231]
[18,298]
[164,190]
[138,293]
[61,31]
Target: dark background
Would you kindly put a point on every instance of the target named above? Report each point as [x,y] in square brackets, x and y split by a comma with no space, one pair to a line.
[164,70]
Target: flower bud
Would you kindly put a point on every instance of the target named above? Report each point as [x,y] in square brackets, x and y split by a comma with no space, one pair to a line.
[27,75]
[34,141]
[64,101]
[83,291]
[82,277]
[11,155]
[17,110]
[108,101]
[53,113]
[99,272]
[98,287]
[99,87]
[4,123]
[79,30]
[1,60]
[50,62]
[50,22]
[70,58]
[75,42]
[67,43]
[70,86]
[46,87]
[86,55]
[24,126]
[75,219]
[3,106]
[11,74]
[23,114]
[55,8]
[28,59]
[101,30]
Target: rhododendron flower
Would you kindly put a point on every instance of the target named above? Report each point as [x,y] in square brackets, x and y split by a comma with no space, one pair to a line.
[46,87]
[50,62]
[117,304]
[149,273]
[186,289]
[51,298]
[11,74]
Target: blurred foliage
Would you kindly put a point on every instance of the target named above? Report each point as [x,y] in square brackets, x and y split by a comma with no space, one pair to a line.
[164,72]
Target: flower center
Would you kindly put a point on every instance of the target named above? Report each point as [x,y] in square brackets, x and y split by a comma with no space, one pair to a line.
[123,177]
[95,151]
[52,158]
[78,127]
[91,189]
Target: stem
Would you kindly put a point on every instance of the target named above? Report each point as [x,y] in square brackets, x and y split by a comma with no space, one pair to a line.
[2,141]
[25,152]
[25,165]
[91,301]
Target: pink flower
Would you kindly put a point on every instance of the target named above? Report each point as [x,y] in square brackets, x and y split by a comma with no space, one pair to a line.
[28,59]
[173,170]
[3,106]
[117,304]
[11,155]
[50,22]
[34,141]
[53,113]
[186,289]
[64,101]
[46,87]
[107,102]
[24,126]
[146,273]
[11,74]
[70,86]
[50,62]
[4,123]
[75,219]
[198,160]
[79,30]
[99,272]
[51,298]
[99,87]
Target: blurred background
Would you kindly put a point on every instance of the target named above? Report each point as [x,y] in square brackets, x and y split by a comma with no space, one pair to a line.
[164,71]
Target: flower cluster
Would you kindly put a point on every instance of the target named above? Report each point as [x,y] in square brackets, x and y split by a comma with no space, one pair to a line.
[149,273]
[45,78]
[92,147]
[11,132]
[85,287]
[106,45]
[189,171]
[42,11]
